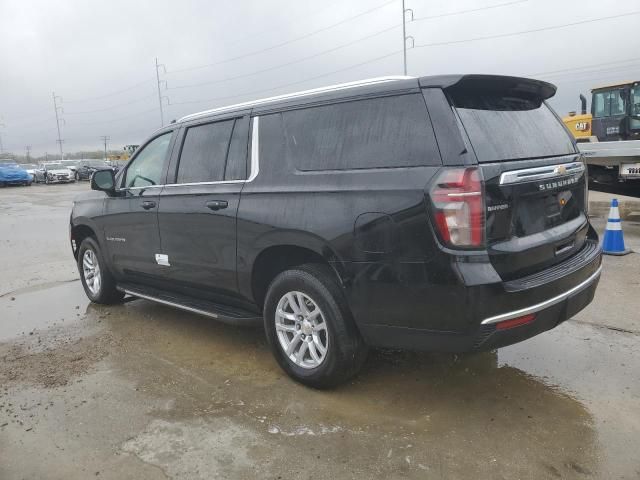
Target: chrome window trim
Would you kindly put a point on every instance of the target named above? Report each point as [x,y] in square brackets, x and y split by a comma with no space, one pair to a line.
[542,305]
[254,160]
[539,173]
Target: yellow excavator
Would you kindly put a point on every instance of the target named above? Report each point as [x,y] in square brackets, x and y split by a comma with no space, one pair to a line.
[609,135]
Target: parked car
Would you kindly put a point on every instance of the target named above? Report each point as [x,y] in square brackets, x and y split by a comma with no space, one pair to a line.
[71,165]
[13,174]
[444,213]
[85,171]
[30,168]
[54,173]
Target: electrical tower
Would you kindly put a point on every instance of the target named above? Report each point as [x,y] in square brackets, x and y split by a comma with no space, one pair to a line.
[160,97]
[105,139]
[57,110]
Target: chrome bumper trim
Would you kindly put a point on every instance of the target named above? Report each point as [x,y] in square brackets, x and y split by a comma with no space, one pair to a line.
[545,304]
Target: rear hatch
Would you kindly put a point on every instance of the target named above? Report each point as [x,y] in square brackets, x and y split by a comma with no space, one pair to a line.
[535,181]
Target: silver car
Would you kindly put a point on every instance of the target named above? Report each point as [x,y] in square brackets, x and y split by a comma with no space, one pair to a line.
[54,173]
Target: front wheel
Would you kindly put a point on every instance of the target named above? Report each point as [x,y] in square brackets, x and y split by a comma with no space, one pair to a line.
[97,281]
[310,328]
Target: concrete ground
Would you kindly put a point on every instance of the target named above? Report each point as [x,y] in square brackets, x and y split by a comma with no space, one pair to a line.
[142,391]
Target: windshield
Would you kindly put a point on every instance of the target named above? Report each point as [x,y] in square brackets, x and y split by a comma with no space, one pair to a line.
[635,100]
[54,166]
[608,103]
[510,128]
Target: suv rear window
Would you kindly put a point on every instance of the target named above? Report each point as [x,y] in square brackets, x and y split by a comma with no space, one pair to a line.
[374,133]
[510,128]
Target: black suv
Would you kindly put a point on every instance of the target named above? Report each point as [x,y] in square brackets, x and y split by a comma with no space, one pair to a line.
[443,213]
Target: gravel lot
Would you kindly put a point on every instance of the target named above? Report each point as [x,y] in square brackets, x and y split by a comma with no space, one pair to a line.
[142,391]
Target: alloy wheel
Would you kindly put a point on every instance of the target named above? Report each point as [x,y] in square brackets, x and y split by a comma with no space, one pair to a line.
[91,271]
[301,329]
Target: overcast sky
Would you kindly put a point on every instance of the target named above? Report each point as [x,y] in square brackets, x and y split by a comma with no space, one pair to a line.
[99,56]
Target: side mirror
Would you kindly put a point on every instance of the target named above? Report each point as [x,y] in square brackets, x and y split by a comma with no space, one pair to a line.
[104,181]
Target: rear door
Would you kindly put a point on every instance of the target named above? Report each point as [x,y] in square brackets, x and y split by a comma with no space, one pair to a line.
[535,182]
[197,214]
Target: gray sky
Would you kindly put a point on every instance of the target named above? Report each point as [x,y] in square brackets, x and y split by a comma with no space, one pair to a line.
[99,55]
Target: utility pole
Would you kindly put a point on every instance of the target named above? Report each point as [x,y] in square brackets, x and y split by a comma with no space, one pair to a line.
[404,34]
[105,139]
[28,150]
[57,109]
[158,65]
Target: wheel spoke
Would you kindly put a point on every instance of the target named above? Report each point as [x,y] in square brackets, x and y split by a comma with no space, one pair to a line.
[314,352]
[301,352]
[292,303]
[294,343]
[321,326]
[318,344]
[302,304]
[287,316]
[285,328]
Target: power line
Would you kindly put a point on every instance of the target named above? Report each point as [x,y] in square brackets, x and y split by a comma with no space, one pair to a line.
[281,44]
[102,122]
[523,32]
[287,64]
[550,72]
[111,94]
[113,107]
[255,92]
[460,12]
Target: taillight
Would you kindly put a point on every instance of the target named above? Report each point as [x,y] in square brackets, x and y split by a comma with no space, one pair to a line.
[458,203]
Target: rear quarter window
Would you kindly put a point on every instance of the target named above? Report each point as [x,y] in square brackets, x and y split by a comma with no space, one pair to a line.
[383,132]
[510,128]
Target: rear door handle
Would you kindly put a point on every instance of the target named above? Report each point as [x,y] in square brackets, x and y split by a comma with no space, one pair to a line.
[148,204]
[217,204]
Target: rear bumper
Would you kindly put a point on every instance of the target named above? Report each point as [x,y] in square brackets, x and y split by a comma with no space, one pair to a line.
[552,296]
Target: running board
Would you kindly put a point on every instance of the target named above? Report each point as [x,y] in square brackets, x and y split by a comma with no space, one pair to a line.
[222,313]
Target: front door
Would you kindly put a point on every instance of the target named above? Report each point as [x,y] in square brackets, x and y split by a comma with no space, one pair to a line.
[197,213]
[130,220]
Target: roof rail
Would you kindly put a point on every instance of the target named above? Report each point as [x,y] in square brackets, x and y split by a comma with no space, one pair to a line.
[331,88]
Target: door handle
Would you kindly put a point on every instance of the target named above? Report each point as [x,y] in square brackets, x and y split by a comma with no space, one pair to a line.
[148,204]
[217,204]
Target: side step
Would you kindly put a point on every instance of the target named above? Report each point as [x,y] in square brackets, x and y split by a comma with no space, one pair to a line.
[222,313]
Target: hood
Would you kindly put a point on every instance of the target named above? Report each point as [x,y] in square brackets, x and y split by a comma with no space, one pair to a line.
[60,171]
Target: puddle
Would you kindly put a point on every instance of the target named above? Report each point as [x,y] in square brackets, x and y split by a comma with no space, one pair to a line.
[41,308]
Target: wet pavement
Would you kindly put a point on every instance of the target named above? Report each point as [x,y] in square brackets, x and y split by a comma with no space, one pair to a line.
[143,391]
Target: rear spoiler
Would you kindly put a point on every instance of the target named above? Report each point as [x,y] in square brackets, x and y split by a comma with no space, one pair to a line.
[512,86]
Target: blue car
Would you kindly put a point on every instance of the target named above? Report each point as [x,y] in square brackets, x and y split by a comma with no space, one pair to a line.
[13,174]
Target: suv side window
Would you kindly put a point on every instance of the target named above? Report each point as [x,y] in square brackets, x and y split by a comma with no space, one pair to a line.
[146,169]
[204,152]
[392,131]
[237,159]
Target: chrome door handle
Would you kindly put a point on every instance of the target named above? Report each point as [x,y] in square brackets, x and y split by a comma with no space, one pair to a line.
[148,204]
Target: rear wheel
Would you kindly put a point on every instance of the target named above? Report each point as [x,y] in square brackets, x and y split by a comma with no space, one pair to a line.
[97,281]
[310,328]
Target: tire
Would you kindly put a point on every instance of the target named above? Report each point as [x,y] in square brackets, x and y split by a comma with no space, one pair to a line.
[106,292]
[345,350]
